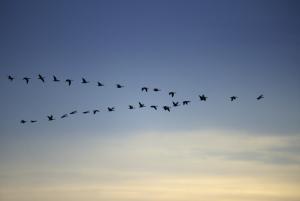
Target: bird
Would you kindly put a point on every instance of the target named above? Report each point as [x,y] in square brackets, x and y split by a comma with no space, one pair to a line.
[55,79]
[202,97]
[175,104]
[84,81]
[23,121]
[186,102]
[41,78]
[154,107]
[64,116]
[50,118]
[156,89]
[33,121]
[111,109]
[69,81]
[232,98]
[86,112]
[131,107]
[10,77]
[260,97]
[73,112]
[95,111]
[119,86]
[172,93]
[100,84]
[26,79]
[145,89]
[141,105]
[166,108]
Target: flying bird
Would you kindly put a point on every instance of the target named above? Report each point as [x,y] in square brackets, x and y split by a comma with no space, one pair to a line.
[64,116]
[130,107]
[119,86]
[172,93]
[100,84]
[141,105]
[69,81]
[175,104]
[86,112]
[232,98]
[154,107]
[55,79]
[10,77]
[145,89]
[166,108]
[84,81]
[33,121]
[41,78]
[73,112]
[186,102]
[23,121]
[95,111]
[111,109]
[156,89]
[50,118]
[202,97]
[26,79]
[260,97]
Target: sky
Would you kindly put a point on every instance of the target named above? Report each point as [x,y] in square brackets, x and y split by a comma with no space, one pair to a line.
[216,150]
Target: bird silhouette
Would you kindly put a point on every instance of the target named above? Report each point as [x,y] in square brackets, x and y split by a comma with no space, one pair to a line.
[232,98]
[202,97]
[154,107]
[141,105]
[50,118]
[156,89]
[69,81]
[23,121]
[84,81]
[175,104]
[172,93]
[26,79]
[64,116]
[100,84]
[86,112]
[73,112]
[260,97]
[95,111]
[41,78]
[145,89]
[111,109]
[186,102]
[119,86]
[131,107]
[55,79]
[10,77]
[166,108]
[33,121]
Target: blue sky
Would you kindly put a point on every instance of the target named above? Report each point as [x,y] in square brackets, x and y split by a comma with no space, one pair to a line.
[219,48]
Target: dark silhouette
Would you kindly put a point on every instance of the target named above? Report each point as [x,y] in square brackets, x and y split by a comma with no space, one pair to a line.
[69,81]
[26,79]
[156,89]
[141,105]
[175,104]
[73,112]
[130,107]
[55,79]
[23,121]
[172,93]
[111,109]
[202,97]
[119,86]
[186,102]
[166,108]
[86,112]
[95,111]
[154,107]
[145,89]
[33,121]
[41,78]
[260,97]
[10,77]
[50,118]
[84,81]
[232,98]
[99,84]
[64,116]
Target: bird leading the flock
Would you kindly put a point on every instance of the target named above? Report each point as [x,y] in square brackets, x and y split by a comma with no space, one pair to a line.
[50,118]
[55,79]
[202,97]
[145,89]
[185,102]
[119,86]
[141,105]
[83,81]
[166,108]
[111,109]
[99,84]
[69,81]
[26,79]
[260,97]
[172,93]
[10,77]
[154,107]
[232,98]
[40,77]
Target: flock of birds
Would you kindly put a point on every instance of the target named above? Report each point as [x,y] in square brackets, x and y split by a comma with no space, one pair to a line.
[111,109]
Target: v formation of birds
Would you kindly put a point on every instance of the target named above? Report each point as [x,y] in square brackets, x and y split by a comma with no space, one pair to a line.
[69,82]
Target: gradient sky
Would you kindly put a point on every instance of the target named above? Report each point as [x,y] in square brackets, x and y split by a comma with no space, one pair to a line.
[216,151]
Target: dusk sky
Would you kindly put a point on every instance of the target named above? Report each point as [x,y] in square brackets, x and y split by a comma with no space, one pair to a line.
[216,150]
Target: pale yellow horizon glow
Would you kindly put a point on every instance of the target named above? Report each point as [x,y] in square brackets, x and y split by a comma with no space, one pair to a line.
[193,166]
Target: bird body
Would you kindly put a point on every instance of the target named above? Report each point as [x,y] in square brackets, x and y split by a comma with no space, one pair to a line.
[99,84]
[119,86]
[50,118]
[175,104]
[166,108]
[156,89]
[33,121]
[26,79]
[202,97]
[186,102]
[55,79]
[40,77]
[73,112]
[64,116]
[86,112]
[23,121]
[84,81]
[232,98]
[154,107]
[95,111]
[69,81]
[10,77]
[172,93]
[145,89]
[130,107]
[111,109]
[260,97]
[141,105]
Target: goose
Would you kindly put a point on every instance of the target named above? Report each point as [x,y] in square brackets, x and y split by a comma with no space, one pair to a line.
[41,78]
[172,93]
[202,97]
